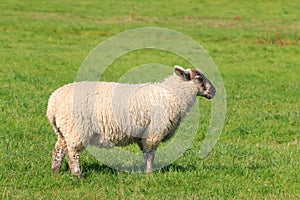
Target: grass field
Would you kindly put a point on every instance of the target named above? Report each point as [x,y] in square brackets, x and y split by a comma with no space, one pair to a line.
[256,46]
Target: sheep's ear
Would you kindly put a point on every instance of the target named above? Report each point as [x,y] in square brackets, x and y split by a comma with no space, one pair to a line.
[185,74]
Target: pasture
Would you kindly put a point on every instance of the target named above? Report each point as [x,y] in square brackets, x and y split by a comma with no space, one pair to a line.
[256,47]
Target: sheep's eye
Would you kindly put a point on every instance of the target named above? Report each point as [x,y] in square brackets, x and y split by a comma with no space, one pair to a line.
[199,78]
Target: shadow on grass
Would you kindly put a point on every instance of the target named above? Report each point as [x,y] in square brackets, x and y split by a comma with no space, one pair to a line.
[177,168]
[89,168]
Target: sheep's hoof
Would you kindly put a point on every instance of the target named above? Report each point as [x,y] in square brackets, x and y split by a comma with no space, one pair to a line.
[79,175]
[55,170]
[148,170]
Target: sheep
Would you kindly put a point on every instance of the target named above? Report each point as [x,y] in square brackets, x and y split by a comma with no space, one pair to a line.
[107,114]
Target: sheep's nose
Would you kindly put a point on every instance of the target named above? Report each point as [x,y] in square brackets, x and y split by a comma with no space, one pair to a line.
[213,92]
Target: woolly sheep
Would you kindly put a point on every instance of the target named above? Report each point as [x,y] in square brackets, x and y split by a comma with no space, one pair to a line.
[107,114]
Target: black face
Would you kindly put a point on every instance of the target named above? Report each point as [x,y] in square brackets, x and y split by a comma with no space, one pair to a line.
[205,88]
[209,89]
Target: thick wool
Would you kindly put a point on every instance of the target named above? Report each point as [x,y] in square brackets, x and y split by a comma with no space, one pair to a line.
[106,114]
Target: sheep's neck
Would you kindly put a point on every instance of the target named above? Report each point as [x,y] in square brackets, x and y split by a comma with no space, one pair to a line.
[184,90]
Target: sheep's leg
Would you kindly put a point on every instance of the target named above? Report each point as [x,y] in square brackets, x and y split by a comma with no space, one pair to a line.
[58,154]
[148,147]
[73,161]
[148,161]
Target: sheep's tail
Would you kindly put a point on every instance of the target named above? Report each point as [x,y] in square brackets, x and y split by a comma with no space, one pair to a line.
[52,121]
[51,115]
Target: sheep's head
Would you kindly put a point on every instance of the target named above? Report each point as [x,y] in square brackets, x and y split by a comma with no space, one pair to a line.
[204,87]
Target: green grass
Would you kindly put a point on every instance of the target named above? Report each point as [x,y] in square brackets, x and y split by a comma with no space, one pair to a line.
[255,46]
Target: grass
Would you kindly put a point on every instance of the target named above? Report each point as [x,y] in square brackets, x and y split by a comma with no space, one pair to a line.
[255,46]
